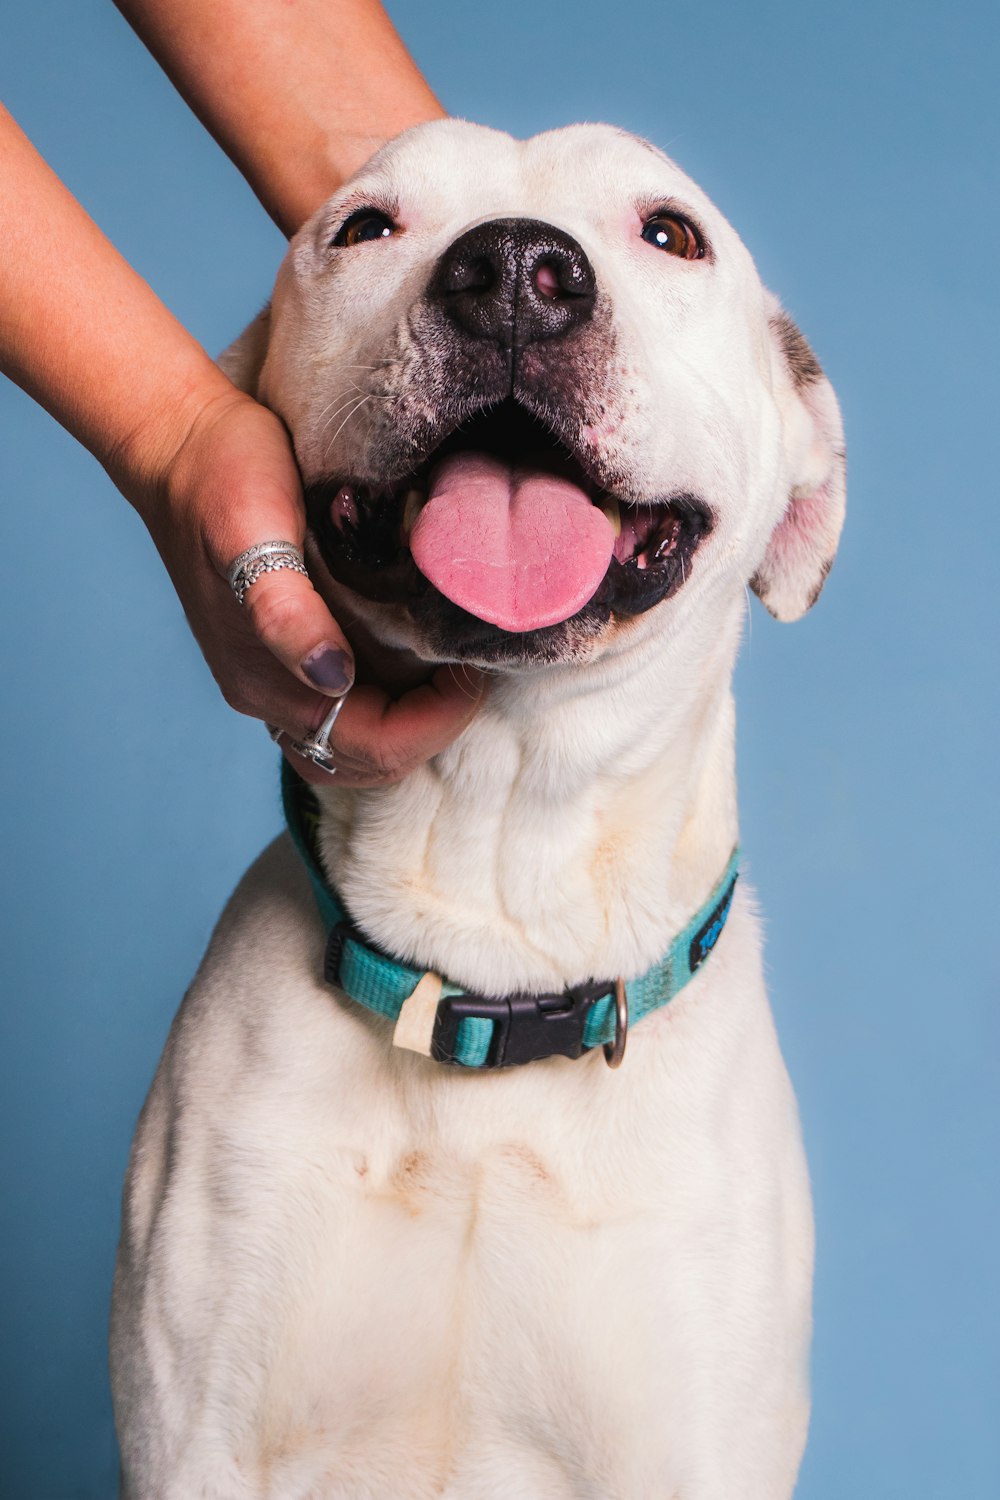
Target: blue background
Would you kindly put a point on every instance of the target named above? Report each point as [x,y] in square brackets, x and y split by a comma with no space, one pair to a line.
[852,147]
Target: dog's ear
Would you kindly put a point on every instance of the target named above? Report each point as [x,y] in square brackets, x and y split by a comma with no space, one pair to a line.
[802,546]
[244,359]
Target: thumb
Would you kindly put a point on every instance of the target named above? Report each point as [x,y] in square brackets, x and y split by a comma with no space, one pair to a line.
[283,609]
[292,621]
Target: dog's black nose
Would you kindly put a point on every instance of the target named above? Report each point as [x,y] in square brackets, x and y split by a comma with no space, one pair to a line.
[514,282]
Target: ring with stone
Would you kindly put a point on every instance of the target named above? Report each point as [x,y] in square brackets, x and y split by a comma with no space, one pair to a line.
[316,747]
[264,557]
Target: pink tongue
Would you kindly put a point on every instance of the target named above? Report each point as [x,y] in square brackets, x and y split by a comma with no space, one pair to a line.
[517,547]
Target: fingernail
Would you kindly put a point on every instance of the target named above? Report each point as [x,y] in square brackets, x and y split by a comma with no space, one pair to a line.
[330,670]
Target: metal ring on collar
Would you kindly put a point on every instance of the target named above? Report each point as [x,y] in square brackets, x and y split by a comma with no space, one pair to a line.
[615,1051]
[265,557]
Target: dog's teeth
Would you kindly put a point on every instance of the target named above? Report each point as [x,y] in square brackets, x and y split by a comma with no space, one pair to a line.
[610,507]
[411,510]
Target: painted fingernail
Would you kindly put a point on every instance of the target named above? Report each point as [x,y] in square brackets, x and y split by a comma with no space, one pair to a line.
[330,670]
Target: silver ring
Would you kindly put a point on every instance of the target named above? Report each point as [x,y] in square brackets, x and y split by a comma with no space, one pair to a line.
[317,747]
[320,758]
[265,557]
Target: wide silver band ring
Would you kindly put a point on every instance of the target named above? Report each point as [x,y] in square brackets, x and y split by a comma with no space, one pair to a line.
[265,557]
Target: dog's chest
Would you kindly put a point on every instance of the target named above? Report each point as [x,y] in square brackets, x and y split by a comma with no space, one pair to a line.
[464,1315]
[470,1297]
[556,1281]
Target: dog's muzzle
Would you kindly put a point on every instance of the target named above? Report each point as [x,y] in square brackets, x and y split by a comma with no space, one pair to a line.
[491,520]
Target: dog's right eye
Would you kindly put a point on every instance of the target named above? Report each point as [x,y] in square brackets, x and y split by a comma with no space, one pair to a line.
[674,235]
[364,224]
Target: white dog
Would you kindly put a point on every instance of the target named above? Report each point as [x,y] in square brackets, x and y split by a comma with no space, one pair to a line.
[419,1242]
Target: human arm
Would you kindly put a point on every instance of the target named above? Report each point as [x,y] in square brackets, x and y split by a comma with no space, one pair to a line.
[299,93]
[209,470]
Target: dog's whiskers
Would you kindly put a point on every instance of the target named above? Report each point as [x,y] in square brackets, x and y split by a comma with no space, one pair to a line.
[352,400]
[373,395]
[359,403]
[328,417]
[323,414]
[462,668]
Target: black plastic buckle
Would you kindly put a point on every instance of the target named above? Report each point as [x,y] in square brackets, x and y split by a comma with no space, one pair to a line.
[526,1028]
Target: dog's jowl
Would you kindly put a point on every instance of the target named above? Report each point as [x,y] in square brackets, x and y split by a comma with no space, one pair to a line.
[472,1168]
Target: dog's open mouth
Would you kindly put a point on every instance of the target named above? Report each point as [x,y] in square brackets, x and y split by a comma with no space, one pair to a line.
[503,521]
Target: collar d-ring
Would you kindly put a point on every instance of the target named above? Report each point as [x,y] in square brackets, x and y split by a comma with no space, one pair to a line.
[615,1051]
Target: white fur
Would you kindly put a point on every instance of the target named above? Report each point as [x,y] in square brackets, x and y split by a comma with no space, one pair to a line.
[349,1272]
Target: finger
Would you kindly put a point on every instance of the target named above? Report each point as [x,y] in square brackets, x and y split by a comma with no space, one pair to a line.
[261,500]
[307,770]
[291,620]
[259,686]
[252,681]
[380,739]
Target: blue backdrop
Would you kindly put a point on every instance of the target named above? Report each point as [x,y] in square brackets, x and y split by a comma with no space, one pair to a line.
[853,145]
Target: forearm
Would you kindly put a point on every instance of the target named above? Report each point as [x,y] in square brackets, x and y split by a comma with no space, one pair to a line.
[81,331]
[299,93]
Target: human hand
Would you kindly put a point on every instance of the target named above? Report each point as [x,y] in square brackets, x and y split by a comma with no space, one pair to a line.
[231,481]
[209,470]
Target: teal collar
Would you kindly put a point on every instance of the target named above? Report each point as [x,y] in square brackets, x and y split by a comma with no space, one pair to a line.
[478,1031]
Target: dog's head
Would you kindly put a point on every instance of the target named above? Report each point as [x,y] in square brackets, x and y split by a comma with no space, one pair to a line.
[539,397]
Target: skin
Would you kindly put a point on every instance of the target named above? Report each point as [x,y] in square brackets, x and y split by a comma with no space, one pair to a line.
[208,469]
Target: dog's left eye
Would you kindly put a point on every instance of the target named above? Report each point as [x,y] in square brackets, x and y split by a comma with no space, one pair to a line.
[673,234]
[364,224]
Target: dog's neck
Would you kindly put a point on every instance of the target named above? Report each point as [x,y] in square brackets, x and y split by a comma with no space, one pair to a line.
[568,833]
